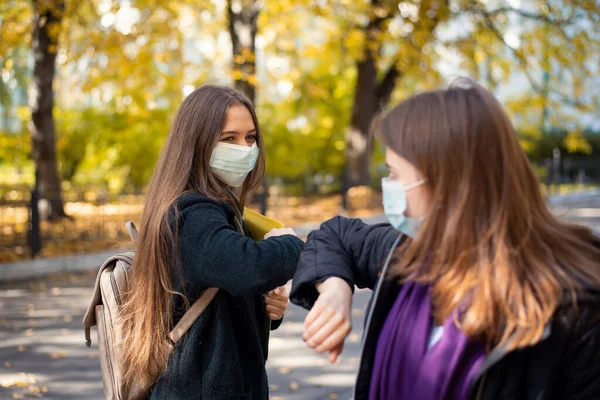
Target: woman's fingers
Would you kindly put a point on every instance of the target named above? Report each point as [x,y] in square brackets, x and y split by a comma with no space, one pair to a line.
[280,232]
[274,313]
[278,302]
[278,292]
[313,314]
[329,322]
[281,299]
[336,338]
[318,323]
[335,353]
[332,325]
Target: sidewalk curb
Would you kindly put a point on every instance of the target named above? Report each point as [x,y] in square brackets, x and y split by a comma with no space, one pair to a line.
[561,199]
[29,269]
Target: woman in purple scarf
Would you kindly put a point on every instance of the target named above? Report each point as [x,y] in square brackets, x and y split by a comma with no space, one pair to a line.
[479,291]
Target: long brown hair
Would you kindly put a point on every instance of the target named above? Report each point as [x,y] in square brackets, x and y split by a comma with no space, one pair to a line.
[495,256]
[183,166]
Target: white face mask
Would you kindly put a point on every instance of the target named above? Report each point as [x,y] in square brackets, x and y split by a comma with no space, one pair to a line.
[395,205]
[232,163]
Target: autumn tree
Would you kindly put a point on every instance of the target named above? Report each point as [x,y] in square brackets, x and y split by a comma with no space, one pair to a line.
[376,81]
[48,16]
[399,42]
[242,23]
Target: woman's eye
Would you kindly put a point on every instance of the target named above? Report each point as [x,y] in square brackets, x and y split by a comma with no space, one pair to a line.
[227,139]
[251,138]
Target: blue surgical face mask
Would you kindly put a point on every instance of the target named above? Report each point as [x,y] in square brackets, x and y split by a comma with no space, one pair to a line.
[232,163]
[394,206]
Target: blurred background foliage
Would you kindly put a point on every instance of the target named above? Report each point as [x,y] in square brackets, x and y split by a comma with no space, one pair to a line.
[318,71]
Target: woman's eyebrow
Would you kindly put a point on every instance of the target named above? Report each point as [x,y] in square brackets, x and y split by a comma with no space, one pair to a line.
[236,132]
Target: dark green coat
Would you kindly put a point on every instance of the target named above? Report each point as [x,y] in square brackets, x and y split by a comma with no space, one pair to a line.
[223,356]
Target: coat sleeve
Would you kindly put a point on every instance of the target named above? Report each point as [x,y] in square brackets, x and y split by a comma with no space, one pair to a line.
[344,248]
[214,254]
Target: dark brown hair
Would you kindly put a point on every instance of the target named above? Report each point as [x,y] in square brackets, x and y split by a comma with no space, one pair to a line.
[183,166]
[490,245]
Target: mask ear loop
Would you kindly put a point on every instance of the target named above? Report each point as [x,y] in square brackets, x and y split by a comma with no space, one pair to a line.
[414,185]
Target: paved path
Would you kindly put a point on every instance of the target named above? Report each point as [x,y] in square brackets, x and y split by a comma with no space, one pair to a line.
[42,354]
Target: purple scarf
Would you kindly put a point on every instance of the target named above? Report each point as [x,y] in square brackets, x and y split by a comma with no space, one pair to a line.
[405,369]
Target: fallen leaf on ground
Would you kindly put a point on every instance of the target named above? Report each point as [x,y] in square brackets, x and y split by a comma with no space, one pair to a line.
[354,338]
[35,391]
[21,348]
[284,370]
[8,364]
[58,356]
[357,312]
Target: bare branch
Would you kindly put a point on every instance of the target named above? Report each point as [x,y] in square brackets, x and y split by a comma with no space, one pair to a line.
[384,89]
[545,17]
[541,90]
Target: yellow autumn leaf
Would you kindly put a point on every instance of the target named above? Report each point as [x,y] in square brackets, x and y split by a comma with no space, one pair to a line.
[58,355]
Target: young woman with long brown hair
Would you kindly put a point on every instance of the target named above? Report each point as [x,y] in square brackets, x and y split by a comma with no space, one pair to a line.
[484,294]
[192,238]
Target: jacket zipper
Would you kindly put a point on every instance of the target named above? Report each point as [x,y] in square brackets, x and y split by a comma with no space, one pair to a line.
[374,304]
[480,389]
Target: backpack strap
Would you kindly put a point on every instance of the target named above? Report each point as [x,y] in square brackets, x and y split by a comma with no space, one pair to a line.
[132,230]
[209,294]
[192,314]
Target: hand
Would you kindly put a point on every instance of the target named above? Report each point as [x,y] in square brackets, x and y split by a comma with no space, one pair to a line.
[329,321]
[280,232]
[276,303]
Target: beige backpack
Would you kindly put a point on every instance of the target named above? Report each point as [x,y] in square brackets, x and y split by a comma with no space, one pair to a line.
[104,312]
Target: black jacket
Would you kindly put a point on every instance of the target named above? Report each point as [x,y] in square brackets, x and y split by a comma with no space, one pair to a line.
[222,356]
[565,364]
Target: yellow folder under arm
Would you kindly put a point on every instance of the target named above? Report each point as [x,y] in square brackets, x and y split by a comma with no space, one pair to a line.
[258,224]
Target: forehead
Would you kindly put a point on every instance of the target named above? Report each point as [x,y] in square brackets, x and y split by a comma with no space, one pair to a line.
[399,164]
[394,160]
[238,117]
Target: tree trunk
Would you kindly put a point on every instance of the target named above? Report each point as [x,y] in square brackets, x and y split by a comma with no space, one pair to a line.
[47,20]
[358,142]
[243,15]
[370,96]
